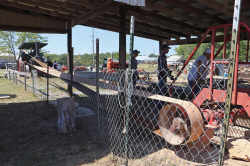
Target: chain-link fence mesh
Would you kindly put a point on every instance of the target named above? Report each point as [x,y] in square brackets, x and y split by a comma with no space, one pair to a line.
[151,118]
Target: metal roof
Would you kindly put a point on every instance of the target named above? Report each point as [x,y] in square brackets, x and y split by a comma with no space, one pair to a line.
[32,45]
[176,20]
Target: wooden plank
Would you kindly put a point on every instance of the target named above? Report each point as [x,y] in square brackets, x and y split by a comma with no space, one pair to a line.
[64,77]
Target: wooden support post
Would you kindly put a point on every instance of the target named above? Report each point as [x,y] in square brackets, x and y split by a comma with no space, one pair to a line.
[47,83]
[97,87]
[70,57]
[160,44]
[122,38]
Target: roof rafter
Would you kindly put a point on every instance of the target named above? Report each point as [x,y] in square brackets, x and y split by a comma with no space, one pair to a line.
[93,13]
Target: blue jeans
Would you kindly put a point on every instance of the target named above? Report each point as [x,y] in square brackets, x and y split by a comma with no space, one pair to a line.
[195,87]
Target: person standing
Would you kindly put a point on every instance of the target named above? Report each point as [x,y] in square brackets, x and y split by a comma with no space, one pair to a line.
[134,64]
[198,73]
[163,71]
[55,65]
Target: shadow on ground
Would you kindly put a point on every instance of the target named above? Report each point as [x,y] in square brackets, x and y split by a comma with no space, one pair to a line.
[29,137]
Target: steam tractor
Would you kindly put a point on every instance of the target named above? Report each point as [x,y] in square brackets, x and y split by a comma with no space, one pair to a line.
[30,53]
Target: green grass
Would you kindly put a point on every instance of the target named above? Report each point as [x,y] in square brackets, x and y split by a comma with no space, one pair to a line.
[10,88]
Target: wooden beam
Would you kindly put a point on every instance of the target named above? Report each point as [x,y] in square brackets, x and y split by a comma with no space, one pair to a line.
[122,38]
[116,28]
[16,21]
[194,40]
[27,9]
[112,19]
[220,8]
[172,24]
[70,56]
[93,13]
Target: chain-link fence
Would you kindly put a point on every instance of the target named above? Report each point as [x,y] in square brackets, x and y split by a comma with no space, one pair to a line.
[43,85]
[155,118]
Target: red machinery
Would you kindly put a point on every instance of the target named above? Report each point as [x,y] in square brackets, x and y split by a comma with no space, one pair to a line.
[112,65]
[209,104]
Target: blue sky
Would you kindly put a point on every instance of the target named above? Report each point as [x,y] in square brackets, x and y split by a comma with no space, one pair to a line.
[109,42]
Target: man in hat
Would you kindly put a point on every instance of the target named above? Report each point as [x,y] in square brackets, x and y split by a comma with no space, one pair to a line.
[199,72]
[163,71]
[134,66]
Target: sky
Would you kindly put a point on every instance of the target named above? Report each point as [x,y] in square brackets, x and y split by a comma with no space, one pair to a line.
[109,42]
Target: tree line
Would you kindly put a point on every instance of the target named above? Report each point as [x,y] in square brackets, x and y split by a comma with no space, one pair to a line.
[185,50]
[83,59]
[9,42]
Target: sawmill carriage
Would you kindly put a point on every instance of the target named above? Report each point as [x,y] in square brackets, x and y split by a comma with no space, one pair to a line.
[206,110]
[173,113]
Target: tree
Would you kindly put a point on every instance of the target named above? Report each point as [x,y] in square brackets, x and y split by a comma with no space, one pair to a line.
[186,50]
[9,41]
[29,37]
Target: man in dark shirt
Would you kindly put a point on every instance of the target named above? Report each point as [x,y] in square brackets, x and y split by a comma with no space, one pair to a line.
[163,71]
[134,66]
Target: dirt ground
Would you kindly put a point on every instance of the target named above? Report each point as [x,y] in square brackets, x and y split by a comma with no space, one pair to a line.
[29,137]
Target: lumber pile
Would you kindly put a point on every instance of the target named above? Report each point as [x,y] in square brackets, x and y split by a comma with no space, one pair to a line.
[239,149]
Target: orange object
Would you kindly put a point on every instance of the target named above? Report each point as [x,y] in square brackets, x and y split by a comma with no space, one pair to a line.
[111,65]
[64,68]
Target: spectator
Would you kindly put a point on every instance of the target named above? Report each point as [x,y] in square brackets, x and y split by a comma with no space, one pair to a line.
[134,66]
[199,72]
[163,71]
[55,65]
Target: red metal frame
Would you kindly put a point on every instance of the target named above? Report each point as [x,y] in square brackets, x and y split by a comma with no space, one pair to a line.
[240,97]
[213,56]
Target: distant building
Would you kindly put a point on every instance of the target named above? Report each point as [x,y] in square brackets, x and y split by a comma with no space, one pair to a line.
[175,60]
[146,59]
[5,58]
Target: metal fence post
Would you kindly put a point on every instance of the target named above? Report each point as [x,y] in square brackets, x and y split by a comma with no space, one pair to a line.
[235,29]
[47,83]
[129,89]
[34,75]
[16,77]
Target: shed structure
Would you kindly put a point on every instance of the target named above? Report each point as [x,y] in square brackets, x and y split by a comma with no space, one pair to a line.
[175,21]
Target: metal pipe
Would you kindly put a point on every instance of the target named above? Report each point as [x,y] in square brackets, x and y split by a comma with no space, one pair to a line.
[235,84]
[129,89]
[228,104]
[212,65]
[132,22]
[225,42]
